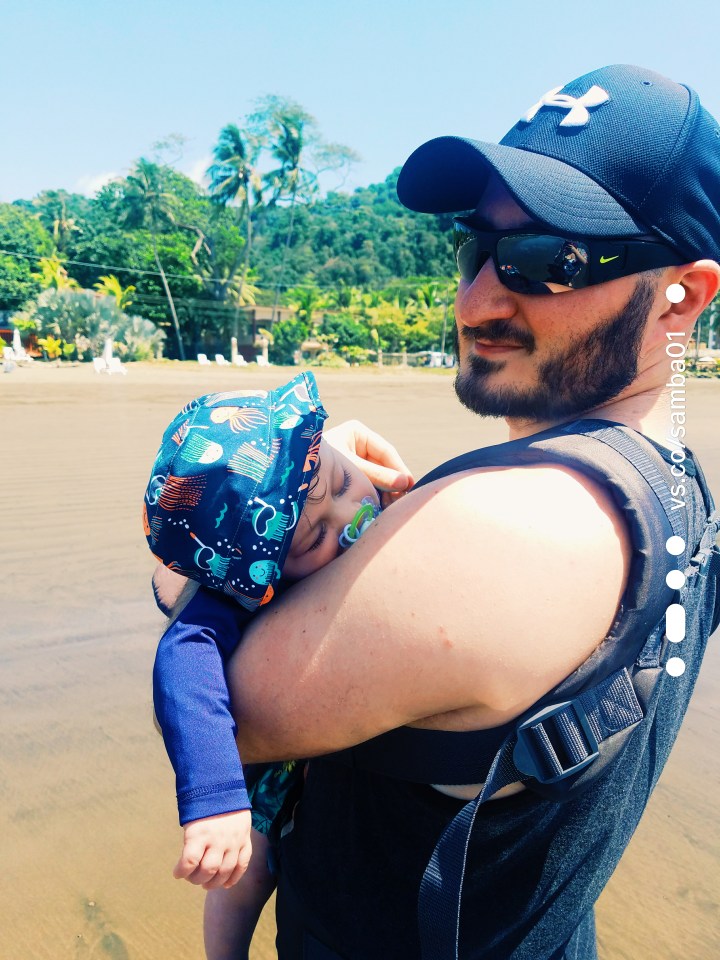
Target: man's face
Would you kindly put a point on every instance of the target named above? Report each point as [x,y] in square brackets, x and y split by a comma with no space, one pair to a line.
[544,357]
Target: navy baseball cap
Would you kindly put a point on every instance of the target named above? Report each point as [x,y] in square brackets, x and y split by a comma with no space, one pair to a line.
[229,484]
[619,152]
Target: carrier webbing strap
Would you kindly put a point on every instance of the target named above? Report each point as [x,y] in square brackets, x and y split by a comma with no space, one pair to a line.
[554,744]
[616,438]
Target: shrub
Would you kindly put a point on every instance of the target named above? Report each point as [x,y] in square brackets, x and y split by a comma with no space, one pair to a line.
[86,320]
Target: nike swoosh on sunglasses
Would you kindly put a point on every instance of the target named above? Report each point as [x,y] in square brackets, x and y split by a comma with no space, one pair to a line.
[527,260]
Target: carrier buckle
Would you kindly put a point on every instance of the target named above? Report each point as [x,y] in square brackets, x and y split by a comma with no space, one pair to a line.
[555,743]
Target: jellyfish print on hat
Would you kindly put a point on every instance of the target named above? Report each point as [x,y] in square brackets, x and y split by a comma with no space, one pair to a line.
[239,419]
[181,493]
[152,528]
[208,559]
[269,523]
[228,486]
[155,488]
[250,462]
[197,449]
[264,571]
[287,419]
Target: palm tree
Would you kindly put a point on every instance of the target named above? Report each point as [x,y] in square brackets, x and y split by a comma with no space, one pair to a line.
[426,295]
[291,130]
[234,181]
[52,207]
[147,204]
[305,299]
[344,297]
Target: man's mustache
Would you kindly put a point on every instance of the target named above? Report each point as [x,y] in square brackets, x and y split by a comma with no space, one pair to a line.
[499,330]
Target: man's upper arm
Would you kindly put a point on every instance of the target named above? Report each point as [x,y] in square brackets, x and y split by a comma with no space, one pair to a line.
[468,599]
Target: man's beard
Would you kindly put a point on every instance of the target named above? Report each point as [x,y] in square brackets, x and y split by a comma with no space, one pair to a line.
[587,373]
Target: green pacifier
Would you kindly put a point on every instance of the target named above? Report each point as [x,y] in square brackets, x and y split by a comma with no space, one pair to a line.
[359,523]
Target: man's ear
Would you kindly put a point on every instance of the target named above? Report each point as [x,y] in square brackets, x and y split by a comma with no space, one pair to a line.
[699,282]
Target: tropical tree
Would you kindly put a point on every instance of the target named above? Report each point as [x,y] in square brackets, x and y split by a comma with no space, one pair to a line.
[146,203]
[290,130]
[426,296]
[54,275]
[110,286]
[23,240]
[63,215]
[304,300]
[235,182]
[344,297]
[287,335]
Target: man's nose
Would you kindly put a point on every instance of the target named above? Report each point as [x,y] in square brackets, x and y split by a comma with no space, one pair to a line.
[484,299]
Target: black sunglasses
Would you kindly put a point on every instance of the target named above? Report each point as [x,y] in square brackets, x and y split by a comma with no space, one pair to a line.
[527,260]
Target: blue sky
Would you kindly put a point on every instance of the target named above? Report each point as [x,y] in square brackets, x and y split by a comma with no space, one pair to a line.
[87,86]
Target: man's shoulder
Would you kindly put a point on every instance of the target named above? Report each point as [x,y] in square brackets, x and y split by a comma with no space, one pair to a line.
[544,493]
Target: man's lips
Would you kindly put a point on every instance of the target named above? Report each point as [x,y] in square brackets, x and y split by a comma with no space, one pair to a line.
[495,346]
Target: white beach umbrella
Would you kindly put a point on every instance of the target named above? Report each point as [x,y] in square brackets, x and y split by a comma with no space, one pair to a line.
[17,342]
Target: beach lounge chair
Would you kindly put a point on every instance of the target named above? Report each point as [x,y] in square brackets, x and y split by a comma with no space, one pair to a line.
[220,360]
[116,365]
[202,359]
[99,365]
[262,361]
[8,360]
[16,354]
[240,361]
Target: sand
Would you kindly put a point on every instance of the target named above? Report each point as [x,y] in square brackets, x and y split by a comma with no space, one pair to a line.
[88,821]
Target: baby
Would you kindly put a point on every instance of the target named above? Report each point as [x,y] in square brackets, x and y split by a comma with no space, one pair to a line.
[243,490]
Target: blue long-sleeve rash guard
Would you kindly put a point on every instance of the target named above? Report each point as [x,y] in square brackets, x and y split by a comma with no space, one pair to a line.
[192,704]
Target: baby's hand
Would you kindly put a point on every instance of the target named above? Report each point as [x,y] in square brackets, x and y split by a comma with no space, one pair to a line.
[216,850]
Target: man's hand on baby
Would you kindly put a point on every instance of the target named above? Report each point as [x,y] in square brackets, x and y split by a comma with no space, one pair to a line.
[216,850]
[376,457]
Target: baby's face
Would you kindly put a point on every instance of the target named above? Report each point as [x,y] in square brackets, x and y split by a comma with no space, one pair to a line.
[337,497]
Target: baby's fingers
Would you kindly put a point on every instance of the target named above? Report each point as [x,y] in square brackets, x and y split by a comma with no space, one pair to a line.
[233,865]
[199,863]
[241,866]
[192,853]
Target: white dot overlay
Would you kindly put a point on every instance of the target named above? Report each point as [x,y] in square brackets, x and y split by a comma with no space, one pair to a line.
[675,580]
[675,666]
[675,293]
[675,546]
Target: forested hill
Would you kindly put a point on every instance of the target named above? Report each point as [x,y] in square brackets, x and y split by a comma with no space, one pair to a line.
[365,239]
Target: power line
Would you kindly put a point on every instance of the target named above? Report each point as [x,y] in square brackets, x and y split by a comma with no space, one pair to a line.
[183,276]
[106,266]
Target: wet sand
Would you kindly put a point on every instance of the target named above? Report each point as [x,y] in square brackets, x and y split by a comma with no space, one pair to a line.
[88,823]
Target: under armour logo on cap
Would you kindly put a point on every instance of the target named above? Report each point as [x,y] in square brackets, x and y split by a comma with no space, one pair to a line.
[578,114]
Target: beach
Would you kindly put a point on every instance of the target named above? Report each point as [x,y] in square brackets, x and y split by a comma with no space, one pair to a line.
[88,819]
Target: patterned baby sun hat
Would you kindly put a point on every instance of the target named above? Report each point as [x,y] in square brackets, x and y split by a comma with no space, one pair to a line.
[229,484]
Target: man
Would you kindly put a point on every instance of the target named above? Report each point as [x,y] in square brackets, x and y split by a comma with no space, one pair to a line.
[535,576]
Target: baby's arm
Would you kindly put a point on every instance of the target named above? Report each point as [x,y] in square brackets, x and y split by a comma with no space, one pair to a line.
[193,711]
